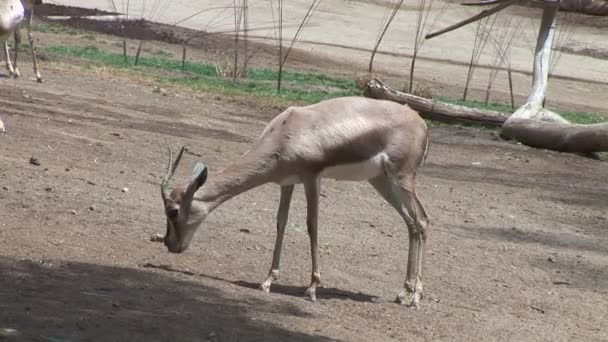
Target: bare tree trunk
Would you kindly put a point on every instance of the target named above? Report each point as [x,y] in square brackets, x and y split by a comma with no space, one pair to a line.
[124,49]
[245,37]
[280,76]
[184,49]
[237,27]
[510,76]
[141,43]
[388,23]
[533,109]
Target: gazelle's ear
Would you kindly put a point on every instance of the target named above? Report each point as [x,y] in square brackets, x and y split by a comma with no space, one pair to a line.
[199,175]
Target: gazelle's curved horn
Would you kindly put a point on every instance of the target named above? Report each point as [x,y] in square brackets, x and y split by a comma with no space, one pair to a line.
[171,167]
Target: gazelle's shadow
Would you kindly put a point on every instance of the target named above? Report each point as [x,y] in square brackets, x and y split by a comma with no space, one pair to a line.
[288,290]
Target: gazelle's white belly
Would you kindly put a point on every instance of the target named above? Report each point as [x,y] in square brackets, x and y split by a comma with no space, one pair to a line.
[359,171]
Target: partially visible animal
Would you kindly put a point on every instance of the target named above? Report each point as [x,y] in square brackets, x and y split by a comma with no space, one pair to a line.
[349,138]
[14,11]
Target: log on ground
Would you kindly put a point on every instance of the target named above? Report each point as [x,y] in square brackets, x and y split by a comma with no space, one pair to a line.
[434,110]
[558,136]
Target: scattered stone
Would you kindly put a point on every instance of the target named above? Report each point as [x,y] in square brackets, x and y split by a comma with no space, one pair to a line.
[115,134]
[212,337]
[8,332]
[115,305]
[244,230]
[551,259]
[34,161]
[125,190]
[5,188]
[73,212]
[537,309]
[157,238]
[67,169]
[48,189]
[91,183]
[159,90]
[92,208]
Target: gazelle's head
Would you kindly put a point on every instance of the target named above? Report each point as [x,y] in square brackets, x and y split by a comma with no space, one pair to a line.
[184,215]
[11,14]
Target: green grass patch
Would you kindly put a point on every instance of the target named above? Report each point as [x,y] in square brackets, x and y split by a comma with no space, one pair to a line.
[306,87]
[297,86]
[575,117]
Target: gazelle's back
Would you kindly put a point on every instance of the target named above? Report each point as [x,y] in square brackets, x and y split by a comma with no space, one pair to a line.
[352,132]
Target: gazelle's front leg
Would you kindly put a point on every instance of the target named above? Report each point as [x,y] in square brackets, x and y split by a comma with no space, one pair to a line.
[282,215]
[312,188]
[30,37]
[9,65]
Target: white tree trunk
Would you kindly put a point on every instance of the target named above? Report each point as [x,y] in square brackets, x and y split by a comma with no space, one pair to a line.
[533,109]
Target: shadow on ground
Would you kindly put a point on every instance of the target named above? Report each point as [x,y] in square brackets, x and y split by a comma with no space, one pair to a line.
[289,290]
[45,301]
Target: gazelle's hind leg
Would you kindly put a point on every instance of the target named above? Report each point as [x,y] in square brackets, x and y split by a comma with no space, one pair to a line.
[30,37]
[402,196]
[17,36]
[7,54]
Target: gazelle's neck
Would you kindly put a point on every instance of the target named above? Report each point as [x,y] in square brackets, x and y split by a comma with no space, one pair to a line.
[241,176]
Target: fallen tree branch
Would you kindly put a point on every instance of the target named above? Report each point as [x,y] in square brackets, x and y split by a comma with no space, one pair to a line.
[543,131]
[558,136]
[435,110]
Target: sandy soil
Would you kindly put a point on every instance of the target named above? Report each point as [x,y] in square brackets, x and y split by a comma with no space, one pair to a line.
[518,247]
[517,251]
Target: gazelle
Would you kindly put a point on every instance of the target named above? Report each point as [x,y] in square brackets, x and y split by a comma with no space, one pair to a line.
[349,138]
[18,9]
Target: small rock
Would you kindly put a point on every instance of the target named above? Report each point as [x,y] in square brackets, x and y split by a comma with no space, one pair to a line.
[244,230]
[160,90]
[551,259]
[7,332]
[67,169]
[115,305]
[157,238]
[92,208]
[73,212]
[91,183]
[115,134]
[124,190]
[48,189]
[5,188]
[34,161]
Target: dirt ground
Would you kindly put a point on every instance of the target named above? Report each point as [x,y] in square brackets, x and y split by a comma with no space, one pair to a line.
[518,248]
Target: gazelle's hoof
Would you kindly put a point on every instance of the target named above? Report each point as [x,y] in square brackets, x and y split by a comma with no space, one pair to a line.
[265,287]
[311,294]
[409,299]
